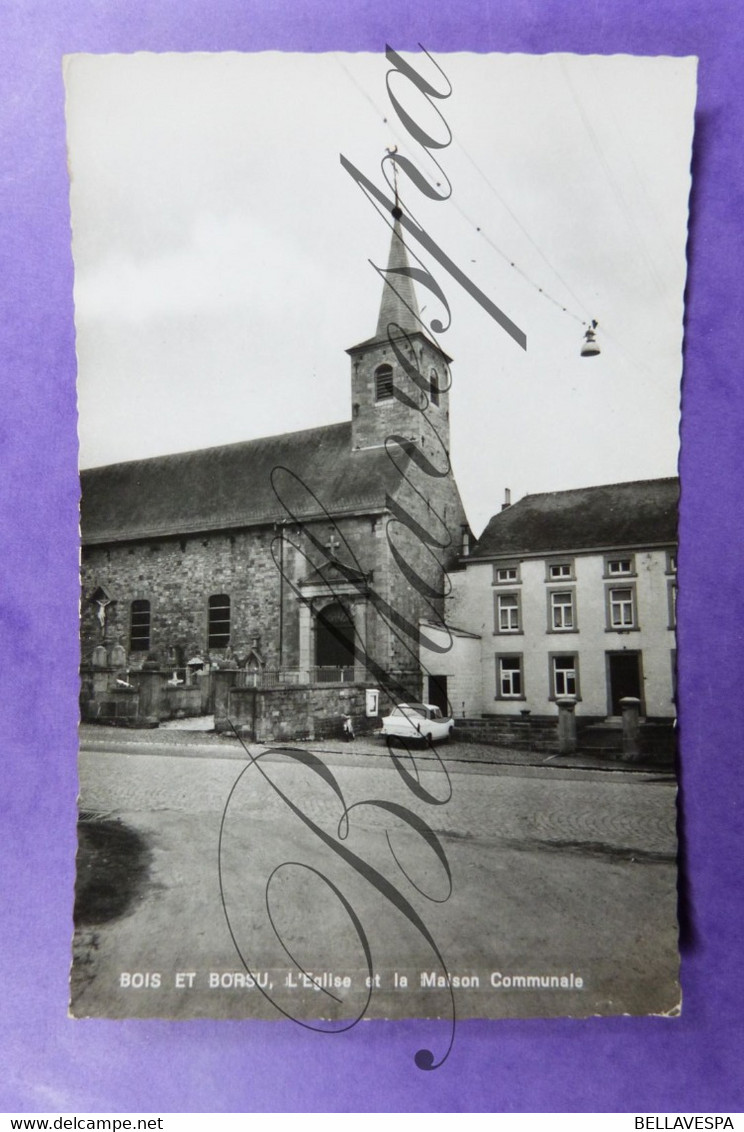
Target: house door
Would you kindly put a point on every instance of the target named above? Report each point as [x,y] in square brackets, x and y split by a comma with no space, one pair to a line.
[624,679]
[437,693]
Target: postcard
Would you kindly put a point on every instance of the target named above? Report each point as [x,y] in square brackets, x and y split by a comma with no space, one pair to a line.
[379,363]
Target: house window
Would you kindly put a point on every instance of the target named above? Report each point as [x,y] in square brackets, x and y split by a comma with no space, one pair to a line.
[139,626]
[564,677]
[620,567]
[507,613]
[218,627]
[559,571]
[672,599]
[433,386]
[562,617]
[383,383]
[504,575]
[621,608]
[509,678]
[671,562]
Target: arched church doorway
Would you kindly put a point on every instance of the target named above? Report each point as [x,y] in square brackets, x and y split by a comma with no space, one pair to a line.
[334,641]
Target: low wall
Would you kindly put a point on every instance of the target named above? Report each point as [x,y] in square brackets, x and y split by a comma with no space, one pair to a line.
[532,733]
[180,702]
[118,707]
[309,711]
[148,701]
[658,739]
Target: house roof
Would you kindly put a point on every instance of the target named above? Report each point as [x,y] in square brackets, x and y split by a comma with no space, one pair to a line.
[231,486]
[635,514]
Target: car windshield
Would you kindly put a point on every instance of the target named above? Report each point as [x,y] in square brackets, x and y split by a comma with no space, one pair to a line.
[410,709]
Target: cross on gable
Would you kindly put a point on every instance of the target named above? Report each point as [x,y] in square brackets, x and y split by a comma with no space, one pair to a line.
[333,544]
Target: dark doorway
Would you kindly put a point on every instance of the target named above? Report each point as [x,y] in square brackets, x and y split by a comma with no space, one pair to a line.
[624,678]
[334,638]
[438,693]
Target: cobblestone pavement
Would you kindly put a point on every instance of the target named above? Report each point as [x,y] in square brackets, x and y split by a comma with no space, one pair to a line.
[552,870]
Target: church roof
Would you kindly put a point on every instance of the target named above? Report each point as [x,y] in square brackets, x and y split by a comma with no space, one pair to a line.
[398,306]
[635,514]
[231,486]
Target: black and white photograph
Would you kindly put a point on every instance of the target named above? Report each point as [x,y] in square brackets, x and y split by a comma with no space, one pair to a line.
[379,380]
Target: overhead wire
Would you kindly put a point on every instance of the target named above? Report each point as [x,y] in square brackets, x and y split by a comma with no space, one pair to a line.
[606,334]
[478,228]
[615,187]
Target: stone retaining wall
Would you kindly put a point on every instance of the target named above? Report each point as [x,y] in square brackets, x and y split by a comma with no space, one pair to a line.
[309,711]
[539,733]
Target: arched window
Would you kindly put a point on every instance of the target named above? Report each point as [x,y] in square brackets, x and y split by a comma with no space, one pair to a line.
[218,627]
[433,386]
[139,626]
[383,383]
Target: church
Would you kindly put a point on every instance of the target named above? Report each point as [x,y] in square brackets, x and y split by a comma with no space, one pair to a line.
[305,559]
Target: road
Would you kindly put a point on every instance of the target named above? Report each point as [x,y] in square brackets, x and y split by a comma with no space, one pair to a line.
[562,901]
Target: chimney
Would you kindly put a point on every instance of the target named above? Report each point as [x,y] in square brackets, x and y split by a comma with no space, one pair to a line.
[465,546]
[507,499]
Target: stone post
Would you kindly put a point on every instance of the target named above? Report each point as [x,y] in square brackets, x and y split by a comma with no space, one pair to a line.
[360,641]
[631,709]
[307,643]
[566,725]
[223,679]
[151,688]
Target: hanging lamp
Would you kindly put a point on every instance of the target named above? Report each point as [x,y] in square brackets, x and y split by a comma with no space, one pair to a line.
[590,345]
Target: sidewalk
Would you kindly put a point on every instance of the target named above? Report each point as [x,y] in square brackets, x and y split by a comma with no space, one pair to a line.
[205,743]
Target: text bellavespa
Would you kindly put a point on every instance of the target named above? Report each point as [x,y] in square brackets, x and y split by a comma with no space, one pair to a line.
[699,1123]
[284,482]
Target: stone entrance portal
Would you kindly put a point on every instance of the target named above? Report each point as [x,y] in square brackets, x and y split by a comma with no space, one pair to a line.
[333,624]
[334,637]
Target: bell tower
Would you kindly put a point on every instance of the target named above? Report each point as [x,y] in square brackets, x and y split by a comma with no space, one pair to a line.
[398,373]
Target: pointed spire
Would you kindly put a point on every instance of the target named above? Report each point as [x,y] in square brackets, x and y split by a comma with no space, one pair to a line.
[399,303]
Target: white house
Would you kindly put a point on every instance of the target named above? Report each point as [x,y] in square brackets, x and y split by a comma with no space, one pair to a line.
[567,593]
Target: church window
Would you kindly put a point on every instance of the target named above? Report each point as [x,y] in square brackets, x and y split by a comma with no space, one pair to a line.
[139,626]
[383,383]
[433,386]
[218,629]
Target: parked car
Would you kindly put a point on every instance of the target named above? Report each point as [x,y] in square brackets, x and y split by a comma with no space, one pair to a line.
[417,721]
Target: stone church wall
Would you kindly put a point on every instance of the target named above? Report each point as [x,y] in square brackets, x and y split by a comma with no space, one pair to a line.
[177,577]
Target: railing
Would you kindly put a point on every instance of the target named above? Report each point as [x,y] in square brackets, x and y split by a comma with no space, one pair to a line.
[274,677]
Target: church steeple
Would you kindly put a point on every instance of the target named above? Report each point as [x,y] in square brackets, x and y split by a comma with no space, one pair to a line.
[400,373]
[398,306]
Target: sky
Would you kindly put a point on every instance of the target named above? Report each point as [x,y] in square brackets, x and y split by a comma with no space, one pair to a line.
[222,252]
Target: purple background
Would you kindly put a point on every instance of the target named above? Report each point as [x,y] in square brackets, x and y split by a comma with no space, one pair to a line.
[52,1063]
